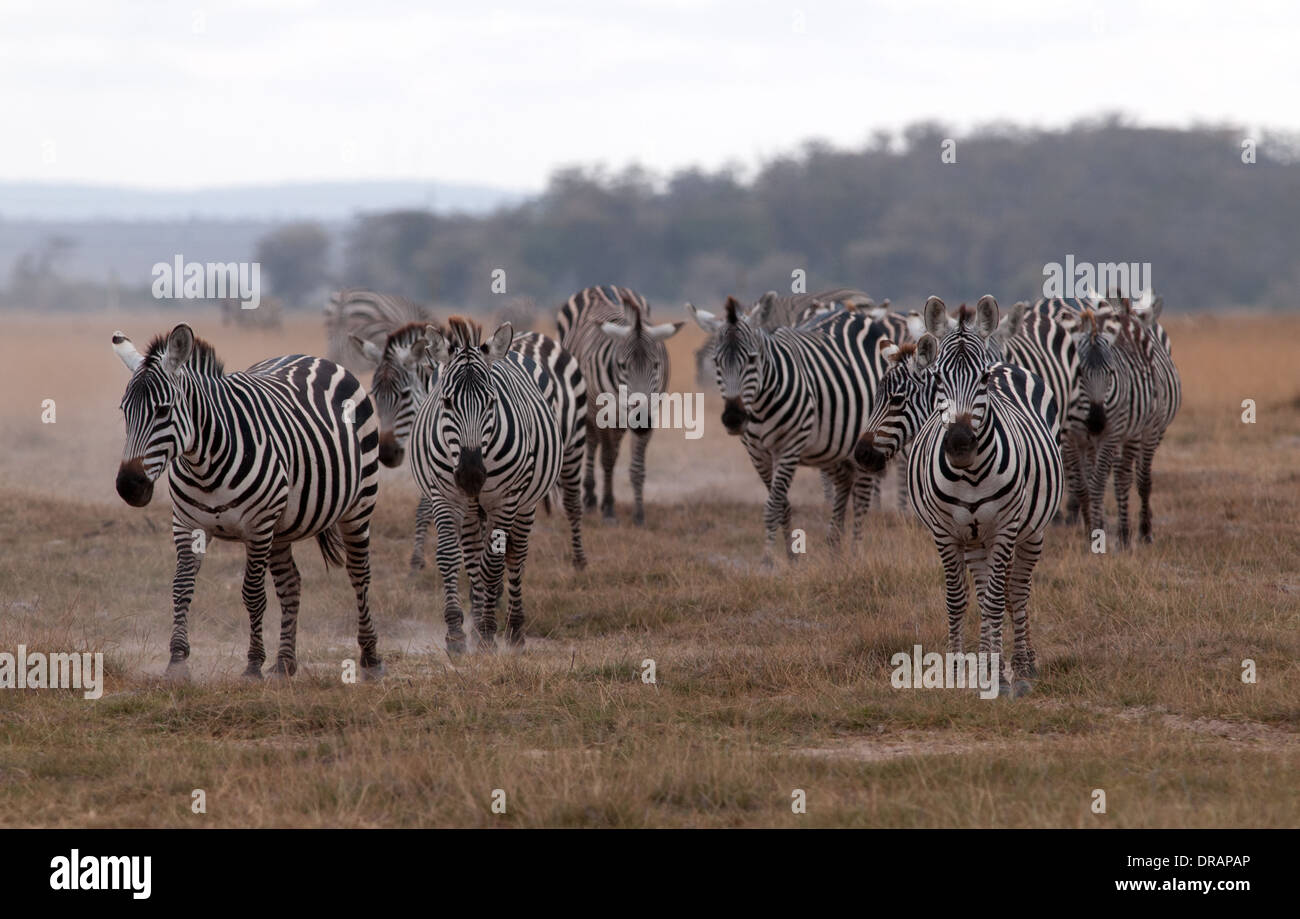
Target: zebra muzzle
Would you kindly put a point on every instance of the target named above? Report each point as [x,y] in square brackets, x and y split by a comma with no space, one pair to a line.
[133,485]
[390,452]
[1096,420]
[867,455]
[470,472]
[959,444]
[734,416]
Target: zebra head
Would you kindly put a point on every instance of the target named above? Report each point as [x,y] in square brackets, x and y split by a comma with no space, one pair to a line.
[1098,377]
[403,376]
[156,409]
[737,357]
[640,360]
[902,402]
[467,410]
[961,370]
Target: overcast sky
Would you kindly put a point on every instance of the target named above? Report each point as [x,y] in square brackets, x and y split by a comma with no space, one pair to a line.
[191,94]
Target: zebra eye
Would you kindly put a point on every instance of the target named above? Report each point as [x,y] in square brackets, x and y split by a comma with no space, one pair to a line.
[161,409]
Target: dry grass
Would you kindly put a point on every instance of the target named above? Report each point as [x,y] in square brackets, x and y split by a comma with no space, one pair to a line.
[767,681]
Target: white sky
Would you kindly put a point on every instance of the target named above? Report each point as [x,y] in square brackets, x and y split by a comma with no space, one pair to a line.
[198,93]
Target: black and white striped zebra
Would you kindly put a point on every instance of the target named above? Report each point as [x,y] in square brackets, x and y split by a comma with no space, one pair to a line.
[283,451]
[1133,392]
[985,474]
[403,378]
[622,357]
[1042,344]
[773,311]
[485,448]
[354,315]
[799,397]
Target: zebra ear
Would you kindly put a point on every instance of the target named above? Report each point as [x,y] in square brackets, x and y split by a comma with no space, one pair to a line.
[986,316]
[436,344]
[1015,320]
[616,329]
[704,319]
[927,349]
[915,325]
[499,345]
[667,330]
[1157,306]
[936,317]
[886,349]
[367,347]
[127,351]
[180,345]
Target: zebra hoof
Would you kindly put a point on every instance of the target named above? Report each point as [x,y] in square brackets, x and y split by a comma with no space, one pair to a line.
[639,518]
[486,645]
[579,564]
[177,671]
[282,669]
[515,639]
[455,646]
[253,672]
[1021,688]
[373,673]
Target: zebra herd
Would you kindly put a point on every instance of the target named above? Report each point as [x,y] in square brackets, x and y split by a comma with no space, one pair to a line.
[995,417]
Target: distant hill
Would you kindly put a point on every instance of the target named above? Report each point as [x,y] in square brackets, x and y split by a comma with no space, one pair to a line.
[326,201]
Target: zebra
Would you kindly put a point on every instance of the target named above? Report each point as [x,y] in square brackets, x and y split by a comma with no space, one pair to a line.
[773,311]
[485,448]
[283,451]
[799,397]
[1134,392]
[1041,343]
[622,357]
[403,378]
[368,316]
[985,474]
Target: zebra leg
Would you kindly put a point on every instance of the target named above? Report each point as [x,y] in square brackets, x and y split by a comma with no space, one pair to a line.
[572,495]
[608,457]
[1024,662]
[838,479]
[777,513]
[989,568]
[356,543]
[1098,477]
[288,589]
[1144,486]
[491,569]
[472,547]
[1123,482]
[589,480]
[187,569]
[956,590]
[640,441]
[449,561]
[900,466]
[865,484]
[1074,476]
[423,517]
[516,556]
[258,549]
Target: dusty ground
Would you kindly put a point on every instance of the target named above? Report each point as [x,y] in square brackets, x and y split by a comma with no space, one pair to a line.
[767,682]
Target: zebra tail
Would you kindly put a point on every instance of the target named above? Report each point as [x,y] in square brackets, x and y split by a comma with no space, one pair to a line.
[546,504]
[331,547]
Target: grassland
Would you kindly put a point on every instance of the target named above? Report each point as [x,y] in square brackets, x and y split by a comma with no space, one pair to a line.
[767,681]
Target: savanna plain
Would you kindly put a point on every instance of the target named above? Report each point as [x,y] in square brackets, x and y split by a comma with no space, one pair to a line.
[767,682]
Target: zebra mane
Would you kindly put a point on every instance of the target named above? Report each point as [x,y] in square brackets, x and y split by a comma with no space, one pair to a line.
[733,310]
[904,351]
[965,315]
[463,332]
[203,359]
[405,336]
